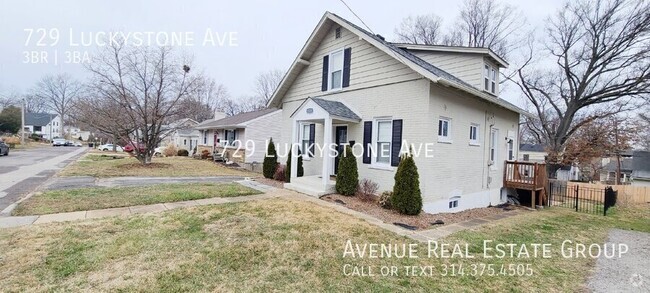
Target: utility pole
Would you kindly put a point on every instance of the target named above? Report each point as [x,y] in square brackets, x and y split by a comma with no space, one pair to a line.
[22,123]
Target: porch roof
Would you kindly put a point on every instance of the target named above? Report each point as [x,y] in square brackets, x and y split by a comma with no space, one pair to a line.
[335,109]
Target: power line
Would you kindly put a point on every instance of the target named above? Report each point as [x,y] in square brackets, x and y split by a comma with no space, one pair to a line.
[355,15]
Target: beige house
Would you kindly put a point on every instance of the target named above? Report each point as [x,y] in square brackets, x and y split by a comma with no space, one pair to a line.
[535,153]
[243,136]
[182,134]
[349,86]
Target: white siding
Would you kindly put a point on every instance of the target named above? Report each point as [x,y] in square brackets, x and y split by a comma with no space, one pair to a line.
[258,132]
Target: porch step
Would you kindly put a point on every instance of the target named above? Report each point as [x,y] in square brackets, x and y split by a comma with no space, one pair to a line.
[309,189]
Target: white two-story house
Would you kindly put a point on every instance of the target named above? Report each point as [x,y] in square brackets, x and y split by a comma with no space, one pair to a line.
[45,125]
[349,86]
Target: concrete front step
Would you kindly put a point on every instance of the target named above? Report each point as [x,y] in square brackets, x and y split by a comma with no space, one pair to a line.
[309,190]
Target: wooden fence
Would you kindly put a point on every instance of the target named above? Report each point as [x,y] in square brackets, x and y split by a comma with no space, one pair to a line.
[626,193]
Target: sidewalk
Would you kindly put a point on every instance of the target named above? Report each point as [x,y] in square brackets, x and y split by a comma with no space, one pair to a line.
[10,222]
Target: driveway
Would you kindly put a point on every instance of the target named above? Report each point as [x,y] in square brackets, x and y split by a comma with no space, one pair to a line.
[23,171]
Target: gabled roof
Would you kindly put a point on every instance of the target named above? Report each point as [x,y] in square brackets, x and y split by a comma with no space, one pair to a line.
[418,65]
[239,120]
[529,147]
[336,108]
[39,119]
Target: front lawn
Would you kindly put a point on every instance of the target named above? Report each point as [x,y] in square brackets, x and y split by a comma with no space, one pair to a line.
[83,199]
[279,245]
[117,164]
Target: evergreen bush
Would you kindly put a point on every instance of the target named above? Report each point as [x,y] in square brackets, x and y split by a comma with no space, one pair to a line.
[407,197]
[270,161]
[347,177]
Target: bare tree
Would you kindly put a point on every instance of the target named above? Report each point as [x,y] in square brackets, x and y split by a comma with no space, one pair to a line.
[421,29]
[204,99]
[602,64]
[58,92]
[135,91]
[266,83]
[490,24]
[33,103]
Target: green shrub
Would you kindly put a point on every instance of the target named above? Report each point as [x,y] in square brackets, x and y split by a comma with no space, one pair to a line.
[301,170]
[287,170]
[270,161]
[347,177]
[183,153]
[407,197]
[385,198]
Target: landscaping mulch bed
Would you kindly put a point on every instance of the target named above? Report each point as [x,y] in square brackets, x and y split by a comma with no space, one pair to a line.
[422,221]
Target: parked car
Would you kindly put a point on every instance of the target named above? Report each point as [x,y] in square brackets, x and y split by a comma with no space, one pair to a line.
[109,147]
[159,151]
[4,149]
[58,142]
[131,147]
[78,144]
[69,143]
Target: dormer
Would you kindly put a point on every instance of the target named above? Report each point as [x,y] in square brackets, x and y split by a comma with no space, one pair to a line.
[478,67]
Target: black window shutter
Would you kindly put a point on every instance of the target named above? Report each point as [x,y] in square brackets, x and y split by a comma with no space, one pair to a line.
[326,63]
[346,66]
[367,140]
[312,139]
[396,142]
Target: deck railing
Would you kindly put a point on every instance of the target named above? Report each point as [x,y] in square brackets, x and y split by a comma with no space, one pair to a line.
[524,175]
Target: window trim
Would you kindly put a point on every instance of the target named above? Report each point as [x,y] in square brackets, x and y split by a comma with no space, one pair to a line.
[374,164]
[444,138]
[329,69]
[489,76]
[454,202]
[494,142]
[510,149]
[477,140]
[304,153]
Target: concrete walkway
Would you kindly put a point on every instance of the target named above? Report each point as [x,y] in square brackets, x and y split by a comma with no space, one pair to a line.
[9,222]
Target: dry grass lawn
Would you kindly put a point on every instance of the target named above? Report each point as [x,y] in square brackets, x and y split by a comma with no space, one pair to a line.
[83,199]
[104,165]
[276,245]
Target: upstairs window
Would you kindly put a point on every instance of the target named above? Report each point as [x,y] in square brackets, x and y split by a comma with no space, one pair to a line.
[511,150]
[494,134]
[336,70]
[490,79]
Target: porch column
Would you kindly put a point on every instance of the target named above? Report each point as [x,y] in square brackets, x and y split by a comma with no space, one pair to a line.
[327,140]
[294,140]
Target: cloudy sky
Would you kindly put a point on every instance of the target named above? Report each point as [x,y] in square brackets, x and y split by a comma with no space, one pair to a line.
[248,37]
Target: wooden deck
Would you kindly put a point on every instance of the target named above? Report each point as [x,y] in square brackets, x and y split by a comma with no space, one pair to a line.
[527,176]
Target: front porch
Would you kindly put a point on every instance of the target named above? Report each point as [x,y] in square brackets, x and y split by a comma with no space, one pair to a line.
[335,117]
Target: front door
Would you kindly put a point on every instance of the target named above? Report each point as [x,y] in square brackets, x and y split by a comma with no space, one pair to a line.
[340,138]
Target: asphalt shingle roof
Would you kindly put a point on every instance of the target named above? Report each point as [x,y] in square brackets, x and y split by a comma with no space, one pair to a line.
[38,119]
[235,119]
[336,108]
[529,147]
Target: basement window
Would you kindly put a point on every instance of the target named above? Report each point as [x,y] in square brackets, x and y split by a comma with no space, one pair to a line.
[453,202]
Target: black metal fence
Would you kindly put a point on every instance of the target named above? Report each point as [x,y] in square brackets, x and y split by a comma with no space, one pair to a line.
[581,198]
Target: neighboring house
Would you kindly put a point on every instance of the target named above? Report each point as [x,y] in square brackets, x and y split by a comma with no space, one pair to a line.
[349,86]
[73,131]
[568,173]
[532,153]
[182,134]
[45,125]
[244,135]
[610,166]
[641,168]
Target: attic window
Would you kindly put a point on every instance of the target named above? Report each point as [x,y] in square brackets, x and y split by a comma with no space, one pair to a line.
[337,33]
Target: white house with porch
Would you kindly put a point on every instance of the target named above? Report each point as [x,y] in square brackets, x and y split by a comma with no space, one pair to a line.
[348,86]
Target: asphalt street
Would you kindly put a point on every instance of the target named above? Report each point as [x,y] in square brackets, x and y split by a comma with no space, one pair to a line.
[23,171]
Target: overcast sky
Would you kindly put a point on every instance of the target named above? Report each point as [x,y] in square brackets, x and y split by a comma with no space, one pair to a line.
[269,34]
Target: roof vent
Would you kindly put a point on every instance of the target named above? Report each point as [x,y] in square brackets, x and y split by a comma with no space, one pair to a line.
[381,37]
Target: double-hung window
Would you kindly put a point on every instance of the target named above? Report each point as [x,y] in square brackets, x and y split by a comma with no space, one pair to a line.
[304,142]
[511,150]
[444,129]
[494,134]
[229,138]
[383,141]
[335,70]
[473,134]
[490,79]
